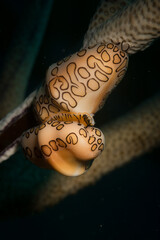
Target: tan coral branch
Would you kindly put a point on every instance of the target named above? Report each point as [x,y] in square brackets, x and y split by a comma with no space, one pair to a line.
[105,11]
[135,27]
[126,138]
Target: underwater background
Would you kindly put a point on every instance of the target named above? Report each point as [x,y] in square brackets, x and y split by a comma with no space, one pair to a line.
[124,204]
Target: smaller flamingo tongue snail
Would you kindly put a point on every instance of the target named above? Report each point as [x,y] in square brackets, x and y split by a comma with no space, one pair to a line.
[74,90]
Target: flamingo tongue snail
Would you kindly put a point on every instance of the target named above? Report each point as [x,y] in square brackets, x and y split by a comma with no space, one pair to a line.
[74,90]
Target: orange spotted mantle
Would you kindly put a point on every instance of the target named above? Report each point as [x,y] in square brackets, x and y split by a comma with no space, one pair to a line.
[74,90]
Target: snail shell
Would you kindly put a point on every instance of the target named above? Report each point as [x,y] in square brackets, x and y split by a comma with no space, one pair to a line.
[75,89]
[67,147]
[83,80]
[80,83]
